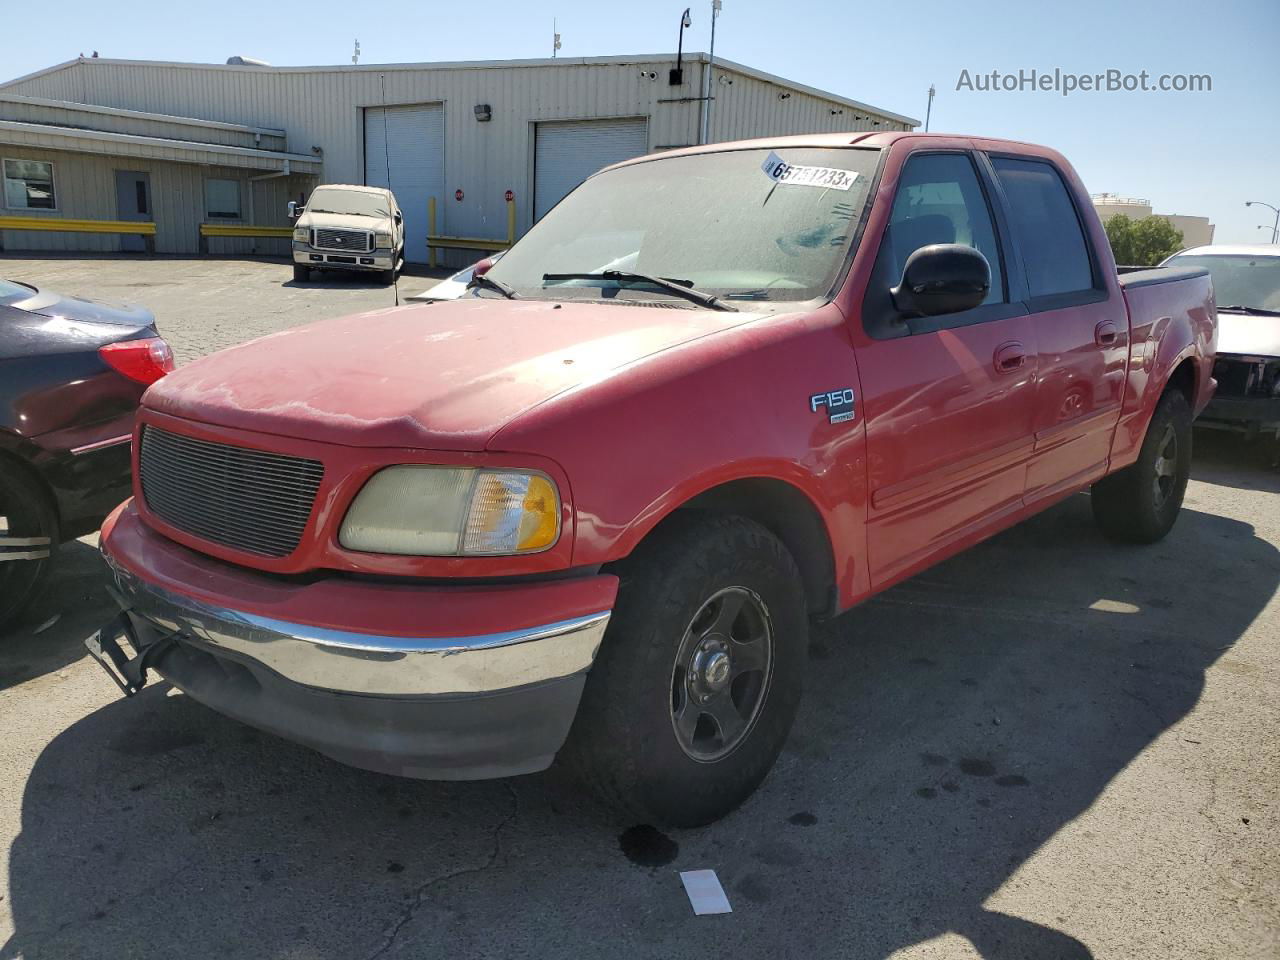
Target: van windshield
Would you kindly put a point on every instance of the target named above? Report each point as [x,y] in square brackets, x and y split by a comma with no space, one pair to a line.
[743,225]
[353,203]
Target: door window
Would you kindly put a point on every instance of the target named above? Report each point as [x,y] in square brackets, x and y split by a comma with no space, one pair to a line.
[1046,227]
[940,200]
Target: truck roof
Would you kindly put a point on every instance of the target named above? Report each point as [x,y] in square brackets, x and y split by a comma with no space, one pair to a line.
[356,187]
[866,138]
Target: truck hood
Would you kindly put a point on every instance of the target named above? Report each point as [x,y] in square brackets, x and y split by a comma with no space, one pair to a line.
[443,376]
[1247,335]
[343,221]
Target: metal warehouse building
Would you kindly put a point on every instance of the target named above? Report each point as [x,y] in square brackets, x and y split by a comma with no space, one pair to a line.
[205,156]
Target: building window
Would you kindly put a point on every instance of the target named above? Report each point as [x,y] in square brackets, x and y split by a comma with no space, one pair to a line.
[28,185]
[222,199]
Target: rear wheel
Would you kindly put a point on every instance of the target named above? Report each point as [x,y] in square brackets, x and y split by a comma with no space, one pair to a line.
[28,533]
[1141,503]
[699,675]
[301,273]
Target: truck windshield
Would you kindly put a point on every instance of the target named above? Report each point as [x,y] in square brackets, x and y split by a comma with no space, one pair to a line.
[741,225]
[1239,281]
[353,203]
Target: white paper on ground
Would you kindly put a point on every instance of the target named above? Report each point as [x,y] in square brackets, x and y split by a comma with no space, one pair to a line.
[705,893]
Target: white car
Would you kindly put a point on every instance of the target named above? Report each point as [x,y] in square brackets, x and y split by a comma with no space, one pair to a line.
[451,288]
[1246,284]
[348,227]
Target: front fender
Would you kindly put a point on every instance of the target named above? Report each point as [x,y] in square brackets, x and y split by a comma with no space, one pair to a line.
[730,406]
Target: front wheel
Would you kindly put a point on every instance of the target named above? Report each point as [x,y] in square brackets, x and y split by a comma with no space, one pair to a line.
[301,273]
[699,676]
[1140,504]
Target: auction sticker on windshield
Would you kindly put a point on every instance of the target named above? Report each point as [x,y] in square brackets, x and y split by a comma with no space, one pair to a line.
[780,171]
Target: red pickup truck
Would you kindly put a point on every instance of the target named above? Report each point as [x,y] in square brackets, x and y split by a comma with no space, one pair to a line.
[590,508]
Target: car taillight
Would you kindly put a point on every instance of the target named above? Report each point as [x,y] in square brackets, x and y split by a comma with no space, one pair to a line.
[145,361]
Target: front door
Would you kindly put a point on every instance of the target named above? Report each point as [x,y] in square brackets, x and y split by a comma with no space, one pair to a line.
[133,203]
[948,400]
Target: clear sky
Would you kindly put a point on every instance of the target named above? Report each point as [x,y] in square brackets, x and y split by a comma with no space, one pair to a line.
[1200,154]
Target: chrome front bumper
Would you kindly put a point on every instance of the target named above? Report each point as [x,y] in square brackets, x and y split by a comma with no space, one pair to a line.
[360,663]
[378,259]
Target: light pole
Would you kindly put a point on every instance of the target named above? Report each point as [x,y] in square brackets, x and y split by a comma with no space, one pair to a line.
[929,109]
[1275,227]
[677,75]
[705,121]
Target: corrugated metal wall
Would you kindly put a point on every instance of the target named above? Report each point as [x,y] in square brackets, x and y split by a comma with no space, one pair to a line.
[85,188]
[322,108]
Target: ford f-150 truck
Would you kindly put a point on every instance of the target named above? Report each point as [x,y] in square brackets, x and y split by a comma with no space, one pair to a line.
[590,508]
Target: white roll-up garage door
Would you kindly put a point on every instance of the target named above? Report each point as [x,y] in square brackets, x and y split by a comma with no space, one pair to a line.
[408,144]
[567,152]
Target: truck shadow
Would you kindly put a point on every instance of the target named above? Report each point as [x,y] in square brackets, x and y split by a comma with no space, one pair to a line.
[951,728]
[75,599]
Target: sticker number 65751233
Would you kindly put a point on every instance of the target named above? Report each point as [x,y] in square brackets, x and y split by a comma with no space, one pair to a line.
[829,178]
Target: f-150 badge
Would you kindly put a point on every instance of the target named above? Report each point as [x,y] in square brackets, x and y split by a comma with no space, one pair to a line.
[839,404]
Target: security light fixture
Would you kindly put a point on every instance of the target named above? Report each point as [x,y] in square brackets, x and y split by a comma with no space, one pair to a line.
[484,112]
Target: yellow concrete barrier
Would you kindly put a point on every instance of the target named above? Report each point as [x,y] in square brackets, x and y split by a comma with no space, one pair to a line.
[65,225]
[230,230]
[437,241]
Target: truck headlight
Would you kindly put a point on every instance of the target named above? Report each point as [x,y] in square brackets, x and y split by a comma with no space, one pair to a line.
[453,511]
[382,239]
[301,234]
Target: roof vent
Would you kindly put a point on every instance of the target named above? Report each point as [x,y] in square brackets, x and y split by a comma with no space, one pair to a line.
[246,62]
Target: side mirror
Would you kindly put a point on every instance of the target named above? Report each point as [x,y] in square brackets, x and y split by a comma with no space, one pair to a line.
[942,278]
[399,217]
[293,209]
[481,267]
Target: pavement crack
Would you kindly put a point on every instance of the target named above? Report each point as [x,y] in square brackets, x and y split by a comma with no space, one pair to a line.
[424,889]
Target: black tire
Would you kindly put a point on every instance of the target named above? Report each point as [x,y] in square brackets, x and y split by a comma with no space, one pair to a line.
[301,273]
[1140,504]
[387,277]
[624,743]
[28,515]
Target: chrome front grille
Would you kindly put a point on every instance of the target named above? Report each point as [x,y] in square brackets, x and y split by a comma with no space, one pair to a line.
[249,500]
[349,241]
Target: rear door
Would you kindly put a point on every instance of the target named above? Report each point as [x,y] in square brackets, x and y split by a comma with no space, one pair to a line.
[1083,334]
[947,400]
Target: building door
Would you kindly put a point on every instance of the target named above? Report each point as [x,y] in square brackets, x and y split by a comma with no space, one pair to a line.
[566,152]
[404,150]
[133,203]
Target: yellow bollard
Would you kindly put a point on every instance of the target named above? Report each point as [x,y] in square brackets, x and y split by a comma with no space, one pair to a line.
[511,222]
[431,230]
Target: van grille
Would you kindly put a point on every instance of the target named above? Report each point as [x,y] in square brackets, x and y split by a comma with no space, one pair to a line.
[353,241]
[249,500]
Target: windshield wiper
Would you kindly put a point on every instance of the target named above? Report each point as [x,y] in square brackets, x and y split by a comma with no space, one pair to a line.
[670,286]
[1260,311]
[484,280]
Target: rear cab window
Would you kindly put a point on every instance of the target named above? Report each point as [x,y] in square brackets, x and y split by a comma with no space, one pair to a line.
[1047,229]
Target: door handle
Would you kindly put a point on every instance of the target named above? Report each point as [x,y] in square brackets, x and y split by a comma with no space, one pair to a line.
[1010,357]
[1104,334]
